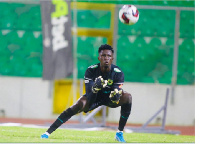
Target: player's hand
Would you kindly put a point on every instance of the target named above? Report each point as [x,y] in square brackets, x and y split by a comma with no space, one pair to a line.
[99,84]
[115,96]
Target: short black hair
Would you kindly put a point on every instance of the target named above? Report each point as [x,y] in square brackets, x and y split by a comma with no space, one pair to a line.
[105,47]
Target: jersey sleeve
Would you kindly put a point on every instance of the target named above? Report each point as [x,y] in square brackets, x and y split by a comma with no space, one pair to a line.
[118,80]
[89,80]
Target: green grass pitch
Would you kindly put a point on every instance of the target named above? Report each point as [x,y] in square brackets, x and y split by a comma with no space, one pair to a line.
[32,135]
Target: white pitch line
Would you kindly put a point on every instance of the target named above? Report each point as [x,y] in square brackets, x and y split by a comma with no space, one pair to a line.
[81,129]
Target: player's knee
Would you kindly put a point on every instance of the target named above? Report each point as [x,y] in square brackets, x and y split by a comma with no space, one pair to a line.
[126,107]
[78,106]
[129,98]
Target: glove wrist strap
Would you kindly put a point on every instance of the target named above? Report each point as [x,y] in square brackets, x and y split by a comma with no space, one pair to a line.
[94,90]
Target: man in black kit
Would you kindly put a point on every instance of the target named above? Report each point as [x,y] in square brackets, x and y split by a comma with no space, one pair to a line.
[103,82]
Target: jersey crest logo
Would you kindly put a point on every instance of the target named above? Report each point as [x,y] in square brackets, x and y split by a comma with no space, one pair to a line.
[110,82]
[117,70]
[93,66]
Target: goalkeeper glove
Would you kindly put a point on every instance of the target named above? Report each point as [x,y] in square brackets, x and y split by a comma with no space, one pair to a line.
[99,84]
[115,96]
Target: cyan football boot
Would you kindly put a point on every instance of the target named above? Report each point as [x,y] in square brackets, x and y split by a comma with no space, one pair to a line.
[119,137]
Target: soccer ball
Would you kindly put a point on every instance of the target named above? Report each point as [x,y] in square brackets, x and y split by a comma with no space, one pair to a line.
[128,14]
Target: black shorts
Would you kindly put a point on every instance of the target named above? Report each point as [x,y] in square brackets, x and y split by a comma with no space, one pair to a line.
[102,99]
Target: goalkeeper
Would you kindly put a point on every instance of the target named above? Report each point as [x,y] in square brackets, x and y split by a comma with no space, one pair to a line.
[103,83]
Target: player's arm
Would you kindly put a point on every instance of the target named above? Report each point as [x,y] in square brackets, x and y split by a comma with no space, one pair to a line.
[116,93]
[117,88]
[89,82]
[93,85]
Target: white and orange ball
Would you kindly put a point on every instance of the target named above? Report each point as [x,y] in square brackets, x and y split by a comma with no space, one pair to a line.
[129,14]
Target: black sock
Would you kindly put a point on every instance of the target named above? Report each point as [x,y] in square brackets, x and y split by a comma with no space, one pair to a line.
[122,123]
[125,112]
[64,116]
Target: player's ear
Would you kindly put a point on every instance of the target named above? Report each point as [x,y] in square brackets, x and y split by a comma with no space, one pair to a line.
[98,58]
[112,58]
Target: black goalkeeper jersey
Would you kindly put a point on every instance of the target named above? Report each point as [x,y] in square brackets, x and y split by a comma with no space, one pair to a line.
[115,78]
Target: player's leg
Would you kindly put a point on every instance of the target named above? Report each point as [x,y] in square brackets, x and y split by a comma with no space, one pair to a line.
[79,106]
[126,104]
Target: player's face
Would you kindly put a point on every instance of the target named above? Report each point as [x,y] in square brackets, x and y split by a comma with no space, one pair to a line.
[105,58]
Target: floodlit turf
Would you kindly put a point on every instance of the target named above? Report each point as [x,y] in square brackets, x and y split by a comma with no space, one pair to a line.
[30,135]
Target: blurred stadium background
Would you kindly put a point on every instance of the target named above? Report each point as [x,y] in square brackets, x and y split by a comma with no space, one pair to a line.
[145,52]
